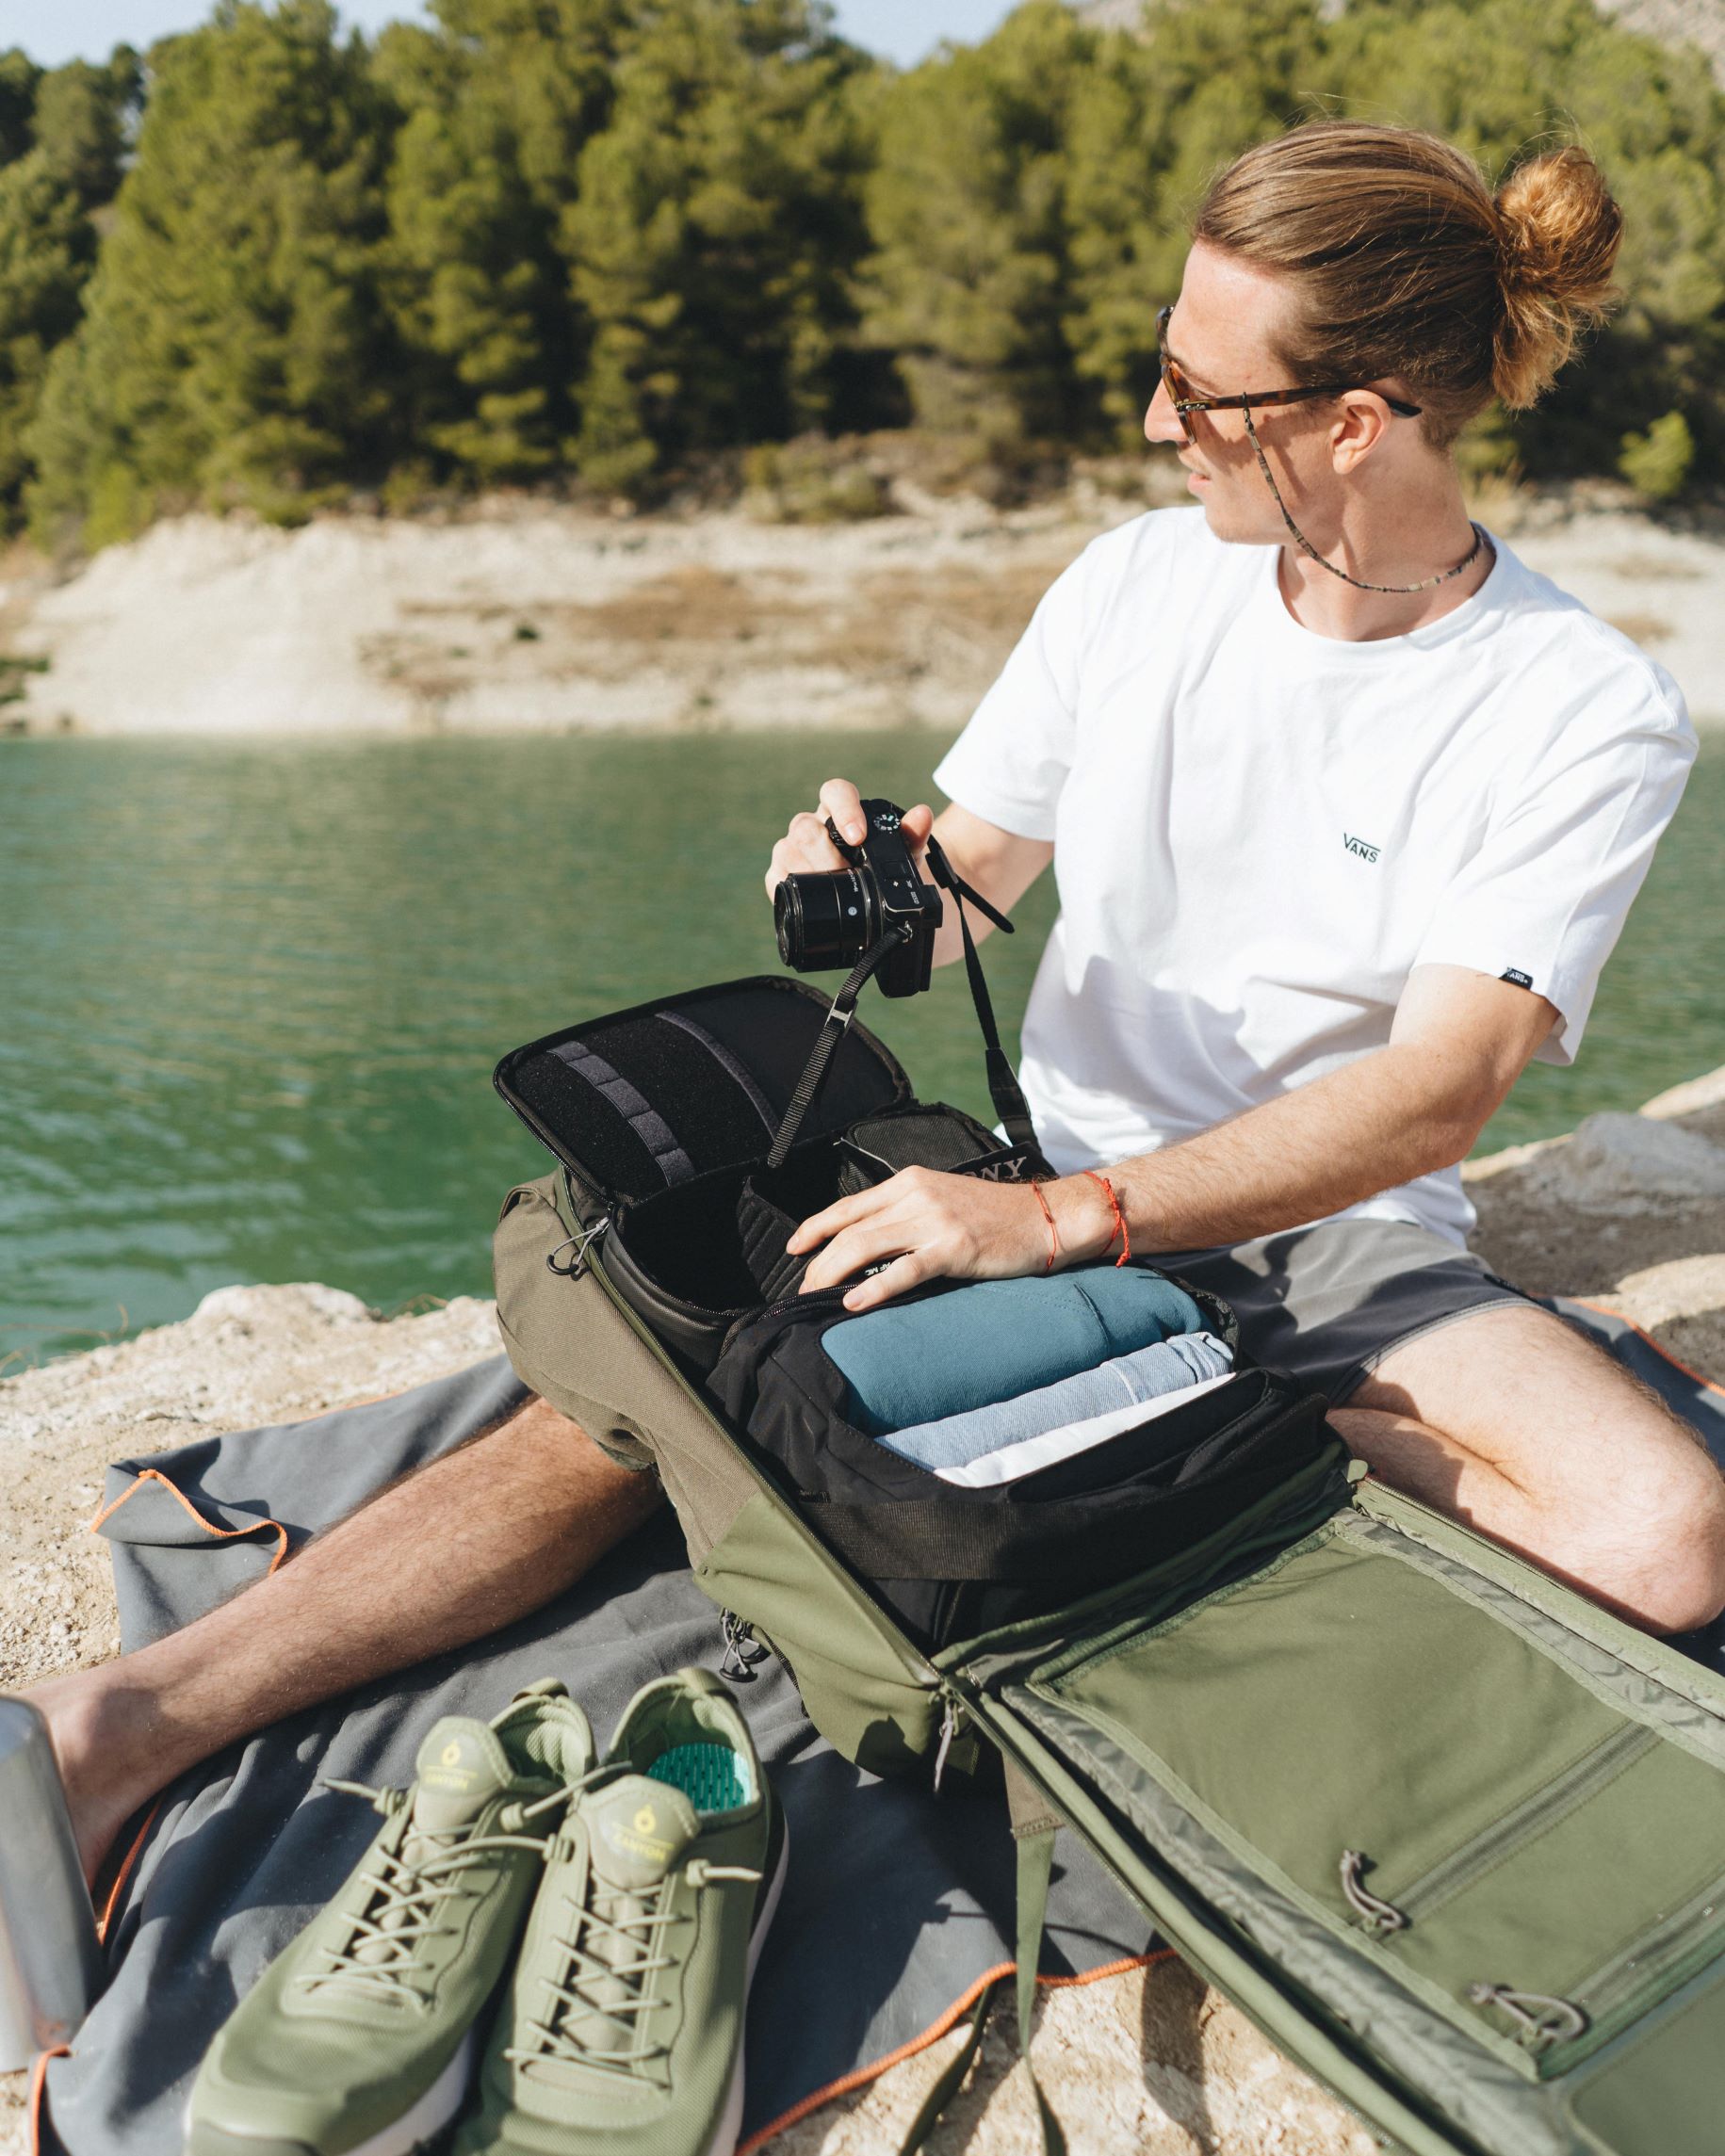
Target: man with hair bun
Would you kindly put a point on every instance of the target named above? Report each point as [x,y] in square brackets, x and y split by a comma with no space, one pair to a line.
[1347,807]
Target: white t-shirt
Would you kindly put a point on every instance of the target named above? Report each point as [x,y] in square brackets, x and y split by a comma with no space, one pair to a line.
[1259,832]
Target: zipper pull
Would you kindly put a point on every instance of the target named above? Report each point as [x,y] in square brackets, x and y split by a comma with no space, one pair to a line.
[948,1729]
[580,1245]
[743,1648]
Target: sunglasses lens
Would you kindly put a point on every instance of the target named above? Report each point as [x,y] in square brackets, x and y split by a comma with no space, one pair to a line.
[1178,390]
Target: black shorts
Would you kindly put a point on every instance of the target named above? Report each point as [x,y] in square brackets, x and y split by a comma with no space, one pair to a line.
[1327,1304]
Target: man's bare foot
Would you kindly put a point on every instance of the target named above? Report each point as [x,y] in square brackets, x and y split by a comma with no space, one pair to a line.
[99,1759]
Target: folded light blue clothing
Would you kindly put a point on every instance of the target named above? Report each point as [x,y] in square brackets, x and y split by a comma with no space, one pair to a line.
[918,1362]
[1148,1373]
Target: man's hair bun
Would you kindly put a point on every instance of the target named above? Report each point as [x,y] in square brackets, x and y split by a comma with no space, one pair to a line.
[1406,268]
[1558,231]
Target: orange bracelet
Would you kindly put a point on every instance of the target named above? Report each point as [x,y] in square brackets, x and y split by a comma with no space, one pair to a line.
[1126,1241]
[1053,1237]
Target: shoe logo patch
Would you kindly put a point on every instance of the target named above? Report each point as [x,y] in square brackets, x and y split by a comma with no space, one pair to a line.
[641,1837]
[453,1769]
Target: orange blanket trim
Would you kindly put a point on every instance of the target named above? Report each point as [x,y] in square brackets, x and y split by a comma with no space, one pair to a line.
[1605,1310]
[221,1534]
[33,2102]
[126,1863]
[862,2076]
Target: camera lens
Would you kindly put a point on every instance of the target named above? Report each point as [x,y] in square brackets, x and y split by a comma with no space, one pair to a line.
[825,921]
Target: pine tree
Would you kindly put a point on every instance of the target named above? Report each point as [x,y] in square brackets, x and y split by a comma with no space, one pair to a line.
[73,135]
[19,76]
[500,99]
[971,281]
[233,346]
[714,231]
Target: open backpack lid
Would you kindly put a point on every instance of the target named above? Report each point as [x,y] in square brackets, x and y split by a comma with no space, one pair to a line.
[642,1099]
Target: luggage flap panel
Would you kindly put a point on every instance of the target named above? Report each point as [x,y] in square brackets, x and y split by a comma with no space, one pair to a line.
[1448,1831]
[639,1100]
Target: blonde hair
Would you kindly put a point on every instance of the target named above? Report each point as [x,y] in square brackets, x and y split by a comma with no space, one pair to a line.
[1408,267]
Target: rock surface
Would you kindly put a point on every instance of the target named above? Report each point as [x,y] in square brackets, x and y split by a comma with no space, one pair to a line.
[525,615]
[1145,2061]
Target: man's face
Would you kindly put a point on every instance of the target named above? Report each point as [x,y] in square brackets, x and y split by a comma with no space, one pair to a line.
[1222,332]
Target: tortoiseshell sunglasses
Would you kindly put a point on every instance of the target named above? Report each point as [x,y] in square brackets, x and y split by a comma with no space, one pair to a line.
[1185,400]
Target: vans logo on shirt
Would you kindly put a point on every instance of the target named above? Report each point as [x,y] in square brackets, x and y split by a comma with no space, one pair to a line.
[1365,850]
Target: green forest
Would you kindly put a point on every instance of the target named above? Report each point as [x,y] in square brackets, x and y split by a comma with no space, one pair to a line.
[605,244]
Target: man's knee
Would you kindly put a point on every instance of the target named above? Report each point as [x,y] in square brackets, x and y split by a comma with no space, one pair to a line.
[1648,1540]
[1661,1543]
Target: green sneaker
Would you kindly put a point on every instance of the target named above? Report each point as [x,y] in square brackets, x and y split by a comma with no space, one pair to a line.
[357,2039]
[623,2031]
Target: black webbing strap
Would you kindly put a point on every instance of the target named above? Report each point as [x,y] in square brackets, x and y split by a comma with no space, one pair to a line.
[1004,1088]
[833,1030]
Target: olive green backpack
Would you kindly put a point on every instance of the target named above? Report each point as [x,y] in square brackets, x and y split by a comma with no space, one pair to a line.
[1452,1836]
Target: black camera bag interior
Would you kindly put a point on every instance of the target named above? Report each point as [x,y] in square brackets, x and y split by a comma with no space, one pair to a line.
[665,1116]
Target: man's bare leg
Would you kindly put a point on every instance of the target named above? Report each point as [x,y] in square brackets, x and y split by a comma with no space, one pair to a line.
[450,1553]
[1514,1423]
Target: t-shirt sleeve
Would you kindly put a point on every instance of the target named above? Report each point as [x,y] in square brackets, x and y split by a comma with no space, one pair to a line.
[1010,763]
[1543,901]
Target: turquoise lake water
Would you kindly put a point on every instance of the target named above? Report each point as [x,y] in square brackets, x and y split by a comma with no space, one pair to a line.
[251,996]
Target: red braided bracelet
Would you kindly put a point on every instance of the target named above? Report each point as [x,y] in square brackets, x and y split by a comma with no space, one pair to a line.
[1053,1237]
[1126,1241]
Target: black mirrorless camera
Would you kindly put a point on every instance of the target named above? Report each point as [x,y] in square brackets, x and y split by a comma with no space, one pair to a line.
[835,917]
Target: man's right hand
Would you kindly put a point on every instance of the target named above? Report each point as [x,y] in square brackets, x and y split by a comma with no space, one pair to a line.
[807,848]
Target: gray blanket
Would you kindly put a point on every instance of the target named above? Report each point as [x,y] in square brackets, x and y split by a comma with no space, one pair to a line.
[895,1901]
[894,1905]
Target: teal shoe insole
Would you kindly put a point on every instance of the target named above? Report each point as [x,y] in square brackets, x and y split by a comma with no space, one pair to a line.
[711,1776]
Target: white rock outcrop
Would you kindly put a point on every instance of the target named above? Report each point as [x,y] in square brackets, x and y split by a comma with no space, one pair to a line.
[1627,1165]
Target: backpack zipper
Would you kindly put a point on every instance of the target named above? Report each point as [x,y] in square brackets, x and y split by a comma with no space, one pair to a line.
[1664,1958]
[1494,1844]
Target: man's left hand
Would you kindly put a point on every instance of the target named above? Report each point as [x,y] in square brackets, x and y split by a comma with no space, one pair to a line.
[929,1225]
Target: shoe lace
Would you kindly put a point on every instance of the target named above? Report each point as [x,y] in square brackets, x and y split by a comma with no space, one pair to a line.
[410,1894]
[603,1989]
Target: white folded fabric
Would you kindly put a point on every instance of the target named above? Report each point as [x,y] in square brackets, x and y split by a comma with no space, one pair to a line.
[1012,1461]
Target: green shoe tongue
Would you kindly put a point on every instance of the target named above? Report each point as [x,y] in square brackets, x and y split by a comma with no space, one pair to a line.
[460,1767]
[639,1828]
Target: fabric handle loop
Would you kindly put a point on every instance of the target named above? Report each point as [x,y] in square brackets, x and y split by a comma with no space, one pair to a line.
[1036,1868]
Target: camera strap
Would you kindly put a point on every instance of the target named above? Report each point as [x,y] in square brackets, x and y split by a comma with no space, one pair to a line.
[834,1028]
[1004,1088]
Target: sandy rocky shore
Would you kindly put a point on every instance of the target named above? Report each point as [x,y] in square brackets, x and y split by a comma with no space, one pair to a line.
[1630,1209]
[518,615]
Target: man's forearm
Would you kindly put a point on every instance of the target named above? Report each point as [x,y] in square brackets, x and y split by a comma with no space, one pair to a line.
[1393,1115]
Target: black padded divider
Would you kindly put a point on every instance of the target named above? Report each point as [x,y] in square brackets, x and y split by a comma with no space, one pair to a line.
[772,1034]
[567,1109]
[674,1089]
[708,1113]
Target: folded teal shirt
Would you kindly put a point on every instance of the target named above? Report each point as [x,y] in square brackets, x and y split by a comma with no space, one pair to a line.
[918,1362]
